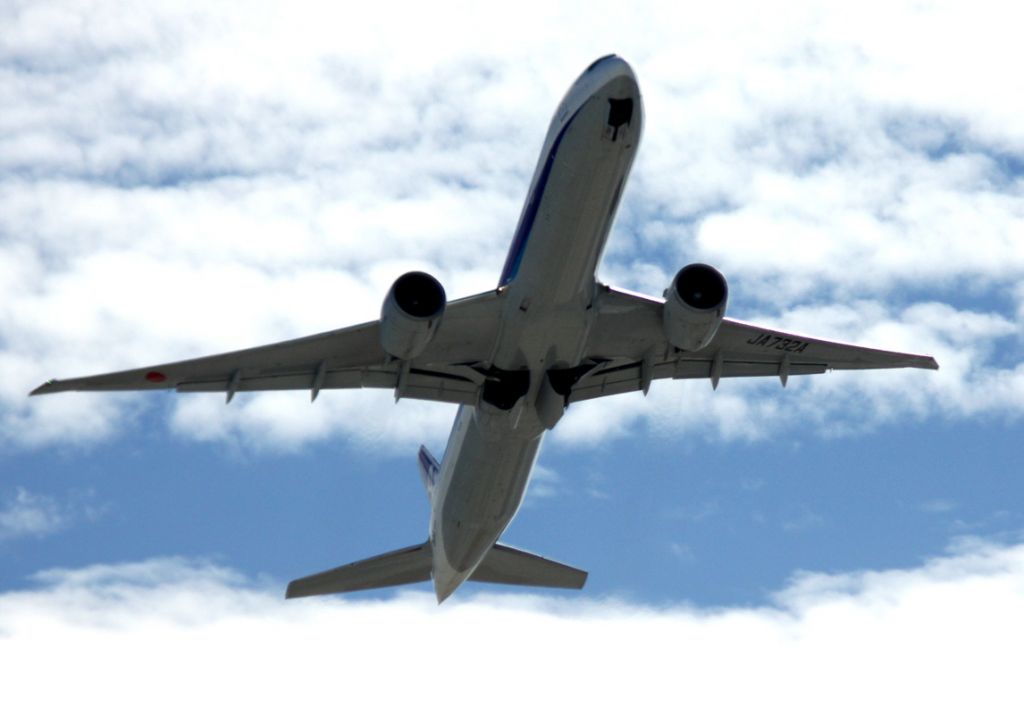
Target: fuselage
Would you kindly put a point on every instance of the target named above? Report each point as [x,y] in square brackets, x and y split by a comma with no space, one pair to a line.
[549,284]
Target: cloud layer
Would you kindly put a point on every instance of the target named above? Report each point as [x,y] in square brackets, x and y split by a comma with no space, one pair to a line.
[180,180]
[940,637]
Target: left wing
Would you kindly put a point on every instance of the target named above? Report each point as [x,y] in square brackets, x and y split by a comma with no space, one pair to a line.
[627,350]
[341,359]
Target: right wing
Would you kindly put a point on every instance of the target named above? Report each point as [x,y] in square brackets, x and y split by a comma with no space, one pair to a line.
[340,359]
[627,350]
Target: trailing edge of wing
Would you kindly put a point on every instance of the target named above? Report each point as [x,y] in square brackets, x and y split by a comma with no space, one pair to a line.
[399,567]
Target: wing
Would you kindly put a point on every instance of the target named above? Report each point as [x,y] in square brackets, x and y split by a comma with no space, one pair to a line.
[341,359]
[627,350]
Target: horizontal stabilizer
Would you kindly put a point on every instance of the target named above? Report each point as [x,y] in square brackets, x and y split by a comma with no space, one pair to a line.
[511,566]
[399,567]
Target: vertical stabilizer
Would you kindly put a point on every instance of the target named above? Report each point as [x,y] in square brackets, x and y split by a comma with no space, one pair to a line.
[429,469]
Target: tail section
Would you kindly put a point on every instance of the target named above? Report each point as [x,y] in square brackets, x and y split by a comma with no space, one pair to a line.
[399,567]
[502,564]
[429,469]
[511,566]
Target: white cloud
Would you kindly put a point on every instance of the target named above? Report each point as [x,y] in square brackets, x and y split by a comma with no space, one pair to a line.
[27,514]
[803,520]
[176,180]
[180,635]
[544,483]
[683,553]
[938,506]
[286,421]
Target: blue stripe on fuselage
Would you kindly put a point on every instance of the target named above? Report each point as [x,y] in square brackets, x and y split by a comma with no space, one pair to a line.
[515,253]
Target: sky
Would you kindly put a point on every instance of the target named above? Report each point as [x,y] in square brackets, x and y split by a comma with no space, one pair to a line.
[183,178]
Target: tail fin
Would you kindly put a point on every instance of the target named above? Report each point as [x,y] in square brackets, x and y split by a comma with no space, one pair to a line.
[399,567]
[429,468]
[511,566]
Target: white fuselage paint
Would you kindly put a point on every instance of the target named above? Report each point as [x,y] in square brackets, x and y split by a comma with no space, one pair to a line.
[550,284]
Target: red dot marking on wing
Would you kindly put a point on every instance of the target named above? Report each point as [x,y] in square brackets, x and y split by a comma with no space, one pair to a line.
[156,377]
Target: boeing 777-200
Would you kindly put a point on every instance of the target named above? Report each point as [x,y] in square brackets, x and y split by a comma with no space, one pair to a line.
[516,357]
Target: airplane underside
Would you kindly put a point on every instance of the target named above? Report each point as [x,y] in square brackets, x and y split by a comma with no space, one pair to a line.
[516,357]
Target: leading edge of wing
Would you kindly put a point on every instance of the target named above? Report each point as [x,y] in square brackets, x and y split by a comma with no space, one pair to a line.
[350,357]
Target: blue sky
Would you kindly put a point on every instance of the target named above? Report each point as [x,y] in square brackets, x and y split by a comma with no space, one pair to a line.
[177,181]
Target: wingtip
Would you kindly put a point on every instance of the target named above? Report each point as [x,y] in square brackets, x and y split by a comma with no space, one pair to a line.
[46,387]
[921,362]
[296,590]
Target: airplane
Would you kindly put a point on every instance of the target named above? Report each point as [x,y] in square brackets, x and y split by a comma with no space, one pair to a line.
[517,357]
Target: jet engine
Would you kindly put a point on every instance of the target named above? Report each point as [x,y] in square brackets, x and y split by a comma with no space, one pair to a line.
[694,307]
[411,314]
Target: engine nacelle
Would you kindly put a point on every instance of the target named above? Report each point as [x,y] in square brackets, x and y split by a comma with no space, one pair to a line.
[411,314]
[694,307]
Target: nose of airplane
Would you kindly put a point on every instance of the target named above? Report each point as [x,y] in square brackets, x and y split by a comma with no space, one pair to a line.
[607,69]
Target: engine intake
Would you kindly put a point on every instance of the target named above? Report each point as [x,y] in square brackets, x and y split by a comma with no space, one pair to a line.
[694,307]
[410,315]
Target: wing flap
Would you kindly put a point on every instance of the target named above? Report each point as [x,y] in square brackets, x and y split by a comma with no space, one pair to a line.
[629,377]
[512,566]
[399,567]
[419,384]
